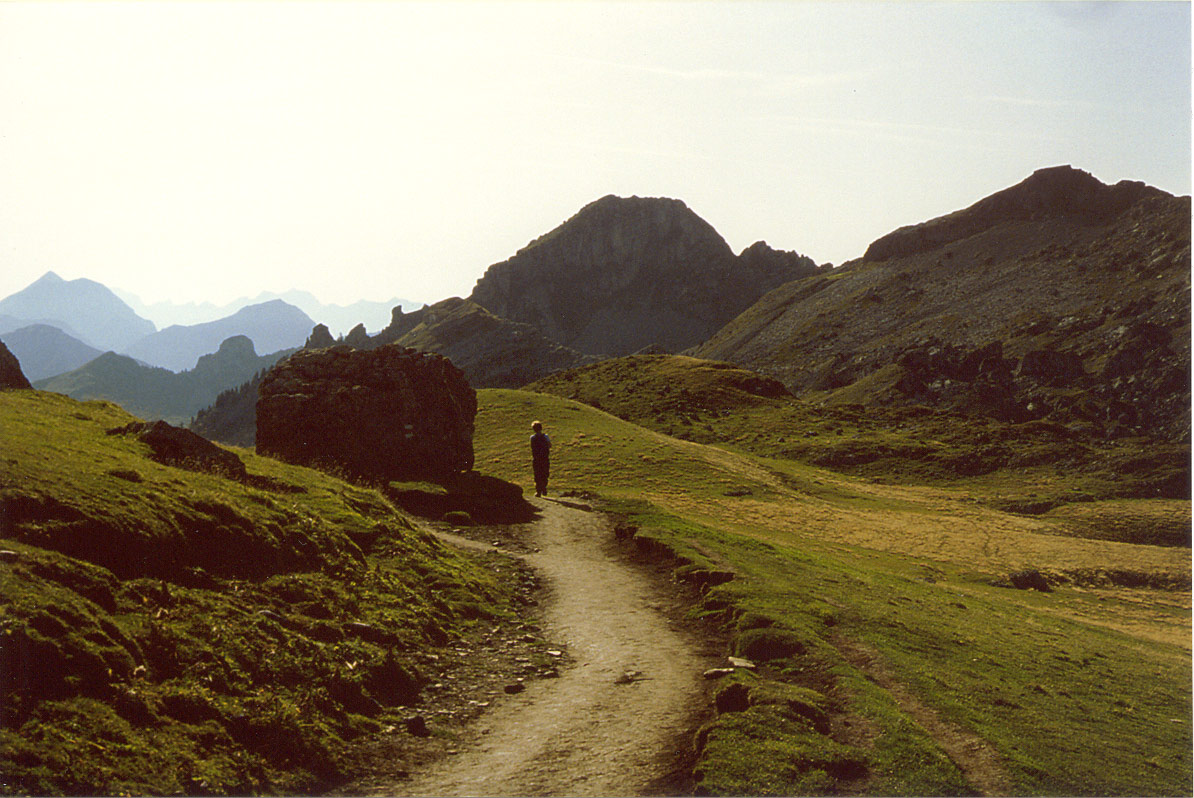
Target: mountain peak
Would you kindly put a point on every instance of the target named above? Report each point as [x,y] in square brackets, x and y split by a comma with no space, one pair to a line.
[89,308]
[237,344]
[626,273]
[613,201]
[1052,192]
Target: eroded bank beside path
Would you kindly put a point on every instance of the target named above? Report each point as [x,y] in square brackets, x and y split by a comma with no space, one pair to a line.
[620,717]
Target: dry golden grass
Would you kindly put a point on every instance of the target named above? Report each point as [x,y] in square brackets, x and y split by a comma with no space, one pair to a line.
[794,504]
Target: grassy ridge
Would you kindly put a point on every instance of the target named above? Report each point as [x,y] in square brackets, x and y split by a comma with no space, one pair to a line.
[1031,467]
[171,631]
[877,604]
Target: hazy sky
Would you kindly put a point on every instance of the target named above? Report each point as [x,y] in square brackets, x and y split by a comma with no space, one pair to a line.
[207,151]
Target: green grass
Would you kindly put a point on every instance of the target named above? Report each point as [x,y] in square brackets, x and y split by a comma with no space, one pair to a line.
[1038,463]
[1083,690]
[169,631]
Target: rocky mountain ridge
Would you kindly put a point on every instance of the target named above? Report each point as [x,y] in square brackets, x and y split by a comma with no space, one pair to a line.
[628,273]
[491,351]
[1060,297]
[1059,191]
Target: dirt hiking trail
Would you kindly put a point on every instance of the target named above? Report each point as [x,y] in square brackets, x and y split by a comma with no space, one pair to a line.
[623,710]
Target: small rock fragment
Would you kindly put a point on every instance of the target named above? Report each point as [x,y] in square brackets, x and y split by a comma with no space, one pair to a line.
[418,726]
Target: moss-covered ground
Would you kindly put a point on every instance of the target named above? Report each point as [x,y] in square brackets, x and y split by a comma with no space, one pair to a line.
[895,655]
[169,631]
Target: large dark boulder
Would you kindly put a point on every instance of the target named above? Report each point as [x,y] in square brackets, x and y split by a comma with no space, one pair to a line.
[185,449]
[11,375]
[390,413]
[1052,368]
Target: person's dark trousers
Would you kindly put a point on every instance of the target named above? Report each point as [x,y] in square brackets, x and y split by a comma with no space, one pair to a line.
[541,473]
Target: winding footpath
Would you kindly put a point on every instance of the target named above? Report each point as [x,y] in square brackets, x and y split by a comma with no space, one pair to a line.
[615,720]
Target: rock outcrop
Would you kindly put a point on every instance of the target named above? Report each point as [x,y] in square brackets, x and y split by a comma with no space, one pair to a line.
[11,375]
[321,337]
[625,274]
[388,414]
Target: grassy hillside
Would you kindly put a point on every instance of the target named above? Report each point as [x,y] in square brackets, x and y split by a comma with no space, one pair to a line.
[1035,468]
[171,631]
[896,657]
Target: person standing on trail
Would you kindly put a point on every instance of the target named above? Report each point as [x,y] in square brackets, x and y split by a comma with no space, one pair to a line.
[540,458]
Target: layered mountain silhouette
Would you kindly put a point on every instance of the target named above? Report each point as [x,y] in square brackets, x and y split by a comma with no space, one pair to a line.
[491,351]
[157,393]
[11,323]
[47,351]
[271,326]
[1060,296]
[83,308]
[338,318]
[624,274]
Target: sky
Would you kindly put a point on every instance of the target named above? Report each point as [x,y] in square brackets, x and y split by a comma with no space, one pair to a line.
[211,150]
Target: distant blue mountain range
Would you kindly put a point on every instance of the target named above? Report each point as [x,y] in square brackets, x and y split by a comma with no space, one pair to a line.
[85,309]
[340,319]
[54,326]
[45,351]
[271,326]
